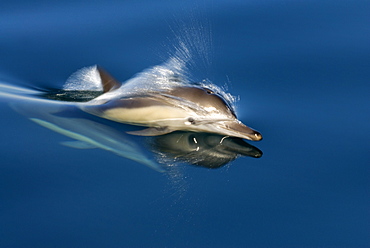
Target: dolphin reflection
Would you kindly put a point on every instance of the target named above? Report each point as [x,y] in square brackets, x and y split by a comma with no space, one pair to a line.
[202,149]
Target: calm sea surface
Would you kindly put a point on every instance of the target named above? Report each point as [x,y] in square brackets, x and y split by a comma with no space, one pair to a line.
[301,70]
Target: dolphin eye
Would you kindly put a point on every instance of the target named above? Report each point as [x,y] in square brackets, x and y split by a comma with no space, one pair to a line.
[191,120]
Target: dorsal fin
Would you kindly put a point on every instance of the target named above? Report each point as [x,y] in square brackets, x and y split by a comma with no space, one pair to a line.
[109,83]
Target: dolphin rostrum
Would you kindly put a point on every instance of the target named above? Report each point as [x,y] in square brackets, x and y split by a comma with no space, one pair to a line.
[180,108]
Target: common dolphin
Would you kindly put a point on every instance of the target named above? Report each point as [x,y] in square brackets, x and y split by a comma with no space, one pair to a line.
[188,122]
[180,108]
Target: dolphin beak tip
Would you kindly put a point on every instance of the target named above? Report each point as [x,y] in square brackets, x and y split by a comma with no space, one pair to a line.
[257,136]
[240,130]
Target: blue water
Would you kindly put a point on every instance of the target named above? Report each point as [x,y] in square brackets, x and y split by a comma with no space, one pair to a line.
[301,71]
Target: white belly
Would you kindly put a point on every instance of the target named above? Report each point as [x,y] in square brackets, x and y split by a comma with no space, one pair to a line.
[147,116]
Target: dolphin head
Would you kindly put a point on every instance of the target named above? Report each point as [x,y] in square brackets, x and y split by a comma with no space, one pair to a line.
[210,112]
